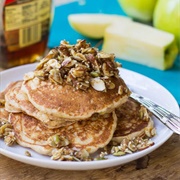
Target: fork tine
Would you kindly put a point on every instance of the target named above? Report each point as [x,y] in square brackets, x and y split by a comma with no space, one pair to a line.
[171,125]
[162,112]
[150,108]
[172,128]
[176,123]
[173,118]
[169,119]
[166,112]
[177,119]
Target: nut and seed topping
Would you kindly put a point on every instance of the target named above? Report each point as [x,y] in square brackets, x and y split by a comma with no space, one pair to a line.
[128,146]
[150,132]
[144,113]
[78,65]
[58,141]
[4,128]
[27,153]
[6,132]
[102,156]
[68,154]
[10,139]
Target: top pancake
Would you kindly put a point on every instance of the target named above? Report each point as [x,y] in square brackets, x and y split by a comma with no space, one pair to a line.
[65,102]
[73,82]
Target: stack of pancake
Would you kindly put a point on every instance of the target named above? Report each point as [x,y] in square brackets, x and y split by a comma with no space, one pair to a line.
[72,99]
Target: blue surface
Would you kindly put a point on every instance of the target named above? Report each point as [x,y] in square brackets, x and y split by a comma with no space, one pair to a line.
[61,30]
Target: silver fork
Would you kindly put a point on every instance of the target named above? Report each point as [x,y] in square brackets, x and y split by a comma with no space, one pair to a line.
[166,117]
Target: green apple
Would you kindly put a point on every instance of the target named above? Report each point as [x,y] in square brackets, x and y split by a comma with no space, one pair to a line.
[141,43]
[167,17]
[141,10]
[93,25]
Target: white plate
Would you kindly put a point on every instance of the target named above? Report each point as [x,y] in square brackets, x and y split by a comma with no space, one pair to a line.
[136,82]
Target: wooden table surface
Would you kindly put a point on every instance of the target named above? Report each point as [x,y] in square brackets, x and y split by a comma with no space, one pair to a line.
[162,164]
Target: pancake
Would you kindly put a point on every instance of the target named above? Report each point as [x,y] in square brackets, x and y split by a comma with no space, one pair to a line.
[28,108]
[87,135]
[64,102]
[11,102]
[133,121]
[16,101]
[4,115]
[2,93]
